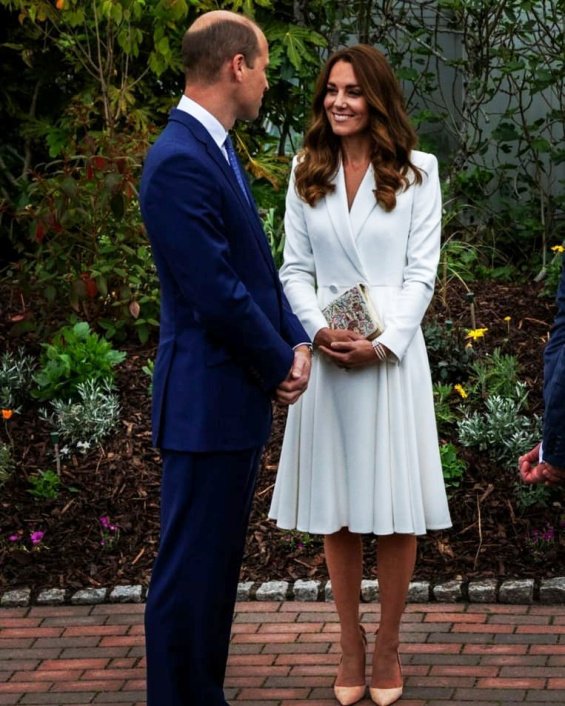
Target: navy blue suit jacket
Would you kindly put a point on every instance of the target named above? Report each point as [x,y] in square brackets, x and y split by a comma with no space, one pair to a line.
[554,385]
[227,330]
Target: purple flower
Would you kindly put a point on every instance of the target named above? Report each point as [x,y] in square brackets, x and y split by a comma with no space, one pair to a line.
[37,536]
[14,538]
[107,524]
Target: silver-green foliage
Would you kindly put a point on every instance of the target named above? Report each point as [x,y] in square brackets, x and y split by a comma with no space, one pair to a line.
[502,431]
[83,423]
[16,370]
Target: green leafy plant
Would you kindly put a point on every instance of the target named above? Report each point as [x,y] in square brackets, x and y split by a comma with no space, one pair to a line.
[553,271]
[16,370]
[296,540]
[45,485]
[75,355]
[274,230]
[449,357]
[453,467]
[531,495]
[496,374]
[6,463]
[84,422]
[149,369]
[445,415]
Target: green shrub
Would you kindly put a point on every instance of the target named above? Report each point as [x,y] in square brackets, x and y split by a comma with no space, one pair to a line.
[6,463]
[449,357]
[75,356]
[496,374]
[445,416]
[45,485]
[453,467]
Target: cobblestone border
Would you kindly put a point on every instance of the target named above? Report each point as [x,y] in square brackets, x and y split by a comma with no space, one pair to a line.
[518,591]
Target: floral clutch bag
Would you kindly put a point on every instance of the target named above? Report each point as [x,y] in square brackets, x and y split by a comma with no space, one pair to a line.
[353,310]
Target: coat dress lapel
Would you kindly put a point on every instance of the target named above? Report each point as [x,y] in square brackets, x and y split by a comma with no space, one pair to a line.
[363,204]
[347,224]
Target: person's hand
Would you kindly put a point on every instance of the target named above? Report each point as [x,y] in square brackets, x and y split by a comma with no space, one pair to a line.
[554,475]
[530,467]
[347,349]
[532,471]
[326,336]
[296,381]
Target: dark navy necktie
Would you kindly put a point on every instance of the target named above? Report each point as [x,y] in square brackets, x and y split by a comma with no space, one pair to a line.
[234,164]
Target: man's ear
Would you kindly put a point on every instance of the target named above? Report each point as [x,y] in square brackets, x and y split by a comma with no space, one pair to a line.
[237,66]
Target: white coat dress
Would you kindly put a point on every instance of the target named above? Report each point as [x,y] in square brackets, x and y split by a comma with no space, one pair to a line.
[360,448]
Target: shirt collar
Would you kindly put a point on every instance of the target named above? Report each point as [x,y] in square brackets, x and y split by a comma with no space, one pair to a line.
[217,131]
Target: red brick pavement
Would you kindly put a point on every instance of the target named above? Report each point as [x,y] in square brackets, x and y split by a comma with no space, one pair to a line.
[285,654]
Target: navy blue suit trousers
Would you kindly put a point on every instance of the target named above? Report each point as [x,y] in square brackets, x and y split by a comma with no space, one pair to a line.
[205,506]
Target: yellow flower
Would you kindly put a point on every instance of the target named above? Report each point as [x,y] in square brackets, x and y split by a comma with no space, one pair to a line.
[507,318]
[7,413]
[558,248]
[460,390]
[475,333]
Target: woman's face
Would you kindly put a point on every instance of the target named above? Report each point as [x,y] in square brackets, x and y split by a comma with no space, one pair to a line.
[344,103]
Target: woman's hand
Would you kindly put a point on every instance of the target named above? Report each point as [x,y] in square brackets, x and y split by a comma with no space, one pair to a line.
[326,336]
[347,349]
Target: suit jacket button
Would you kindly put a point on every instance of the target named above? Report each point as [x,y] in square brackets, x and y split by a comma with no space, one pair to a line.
[333,289]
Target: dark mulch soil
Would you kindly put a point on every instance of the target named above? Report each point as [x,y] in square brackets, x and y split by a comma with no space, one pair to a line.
[491,536]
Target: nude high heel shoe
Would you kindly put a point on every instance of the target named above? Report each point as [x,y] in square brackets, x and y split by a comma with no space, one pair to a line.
[386,697]
[347,695]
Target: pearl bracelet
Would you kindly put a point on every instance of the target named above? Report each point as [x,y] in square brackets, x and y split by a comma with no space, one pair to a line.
[380,350]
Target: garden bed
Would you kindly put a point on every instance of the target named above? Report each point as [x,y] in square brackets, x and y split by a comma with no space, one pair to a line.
[493,534]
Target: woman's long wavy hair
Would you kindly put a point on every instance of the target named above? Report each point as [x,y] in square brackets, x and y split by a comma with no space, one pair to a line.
[392,135]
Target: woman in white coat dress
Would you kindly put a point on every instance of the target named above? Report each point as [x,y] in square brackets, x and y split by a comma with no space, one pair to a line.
[360,452]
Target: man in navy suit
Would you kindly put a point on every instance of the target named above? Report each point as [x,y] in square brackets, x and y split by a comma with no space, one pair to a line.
[546,462]
[229,344]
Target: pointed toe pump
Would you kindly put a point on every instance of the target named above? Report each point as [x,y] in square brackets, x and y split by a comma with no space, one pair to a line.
[347,695]
[386,697]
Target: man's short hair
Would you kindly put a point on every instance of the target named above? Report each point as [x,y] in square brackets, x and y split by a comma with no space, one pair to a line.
[205,51]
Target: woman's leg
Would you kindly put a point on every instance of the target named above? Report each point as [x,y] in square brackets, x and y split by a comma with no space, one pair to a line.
[344,558]
[396,556]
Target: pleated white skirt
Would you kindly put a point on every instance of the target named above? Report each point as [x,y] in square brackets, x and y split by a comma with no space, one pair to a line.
[360,450]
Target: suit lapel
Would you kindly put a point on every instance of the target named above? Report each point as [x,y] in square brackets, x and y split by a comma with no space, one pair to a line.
[338,212]
[214,152]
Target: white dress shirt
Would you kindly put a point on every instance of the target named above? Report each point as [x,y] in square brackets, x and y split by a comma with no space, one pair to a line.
[217,131]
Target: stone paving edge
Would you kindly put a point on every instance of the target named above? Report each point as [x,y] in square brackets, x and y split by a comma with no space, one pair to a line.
[515,591]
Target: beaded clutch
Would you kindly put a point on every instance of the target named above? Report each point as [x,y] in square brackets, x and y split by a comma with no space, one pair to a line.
[353,310]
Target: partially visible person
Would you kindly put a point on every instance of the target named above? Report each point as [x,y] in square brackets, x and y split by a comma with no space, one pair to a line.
[360,452]
[545,463]
[228,345]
